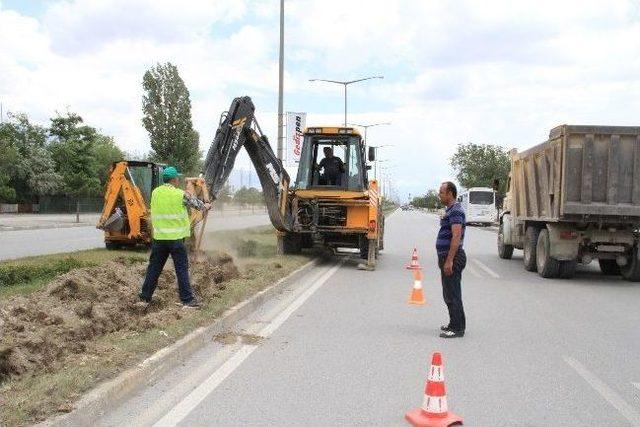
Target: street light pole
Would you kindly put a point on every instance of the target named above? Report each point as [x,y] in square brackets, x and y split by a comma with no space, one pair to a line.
[345,105]
[369,126]
[281,82]
[345,84]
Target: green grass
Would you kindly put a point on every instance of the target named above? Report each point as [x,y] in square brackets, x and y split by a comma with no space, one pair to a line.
[33,398]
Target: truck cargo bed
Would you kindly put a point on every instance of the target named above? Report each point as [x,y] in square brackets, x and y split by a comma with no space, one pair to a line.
[580,172]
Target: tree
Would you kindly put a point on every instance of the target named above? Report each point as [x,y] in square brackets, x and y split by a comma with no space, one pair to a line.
[478,165]
[70,158]
[431,200]
[167,117]
[106,152]
[73,150]
[21,133]
[248,196]
[38,170]
[224,195]
[8,156]
[31,172]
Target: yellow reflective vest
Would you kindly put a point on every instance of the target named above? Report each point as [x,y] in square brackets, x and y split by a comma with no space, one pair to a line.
[169,214]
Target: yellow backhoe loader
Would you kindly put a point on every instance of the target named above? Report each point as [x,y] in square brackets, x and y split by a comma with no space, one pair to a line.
[341,211]
[126,218]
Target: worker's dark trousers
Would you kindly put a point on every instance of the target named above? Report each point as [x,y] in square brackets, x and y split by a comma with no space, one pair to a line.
[452,291]
[160,251]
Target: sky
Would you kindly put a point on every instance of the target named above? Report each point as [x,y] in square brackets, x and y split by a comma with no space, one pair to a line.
[494,72]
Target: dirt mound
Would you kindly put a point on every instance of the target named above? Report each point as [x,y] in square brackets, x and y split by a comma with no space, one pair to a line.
[41,330]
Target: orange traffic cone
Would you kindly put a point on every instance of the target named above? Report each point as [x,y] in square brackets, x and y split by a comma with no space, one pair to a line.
[434,411]
[417,295]
[414,265]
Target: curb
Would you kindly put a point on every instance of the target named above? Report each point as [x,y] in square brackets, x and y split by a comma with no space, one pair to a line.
[108,394]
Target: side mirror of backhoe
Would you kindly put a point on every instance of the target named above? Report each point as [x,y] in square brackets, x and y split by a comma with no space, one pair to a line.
[372,154]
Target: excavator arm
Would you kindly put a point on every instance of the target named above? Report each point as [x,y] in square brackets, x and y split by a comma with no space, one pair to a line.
[238,128]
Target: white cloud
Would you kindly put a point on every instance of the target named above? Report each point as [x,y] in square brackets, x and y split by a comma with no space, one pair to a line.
[83,26]
[500,72]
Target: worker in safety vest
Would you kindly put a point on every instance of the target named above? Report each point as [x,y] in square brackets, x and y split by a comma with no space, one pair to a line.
[171,226]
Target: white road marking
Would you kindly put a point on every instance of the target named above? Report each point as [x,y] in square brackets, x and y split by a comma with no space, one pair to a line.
[486,269]
[473,271]
[636,385]
[193,399]
[605,391]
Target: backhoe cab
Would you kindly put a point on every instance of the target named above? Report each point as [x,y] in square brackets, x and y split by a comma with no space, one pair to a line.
[335,205]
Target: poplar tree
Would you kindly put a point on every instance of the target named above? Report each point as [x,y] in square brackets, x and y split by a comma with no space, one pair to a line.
[167,117]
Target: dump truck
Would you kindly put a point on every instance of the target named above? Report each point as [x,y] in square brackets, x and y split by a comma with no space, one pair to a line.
[126,215]
[573,199]
[343,213]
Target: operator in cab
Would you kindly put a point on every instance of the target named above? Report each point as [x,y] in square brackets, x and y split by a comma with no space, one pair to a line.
[333,168]
[171,226]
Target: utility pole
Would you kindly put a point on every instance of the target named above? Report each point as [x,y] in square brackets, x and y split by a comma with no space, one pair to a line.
[281,82]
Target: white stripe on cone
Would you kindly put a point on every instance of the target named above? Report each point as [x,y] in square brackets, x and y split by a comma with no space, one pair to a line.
[417,284]
[436,374]
[435,405]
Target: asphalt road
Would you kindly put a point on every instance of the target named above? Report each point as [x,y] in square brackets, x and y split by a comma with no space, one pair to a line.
[343,348]
[23,243]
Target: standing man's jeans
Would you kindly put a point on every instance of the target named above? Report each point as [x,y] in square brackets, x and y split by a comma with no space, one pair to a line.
[452,292]
[160,251]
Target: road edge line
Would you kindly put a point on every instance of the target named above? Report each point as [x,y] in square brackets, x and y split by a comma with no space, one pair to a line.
[485,268]
[607,393]
[191,401]
[116,390]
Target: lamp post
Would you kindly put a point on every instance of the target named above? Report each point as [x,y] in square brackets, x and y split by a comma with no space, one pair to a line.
[281,82]
[369,126]
[345,84]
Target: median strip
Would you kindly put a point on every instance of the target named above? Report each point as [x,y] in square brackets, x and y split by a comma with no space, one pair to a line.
[113,333]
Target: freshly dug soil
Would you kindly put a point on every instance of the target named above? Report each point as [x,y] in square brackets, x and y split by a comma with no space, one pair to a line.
[39,331]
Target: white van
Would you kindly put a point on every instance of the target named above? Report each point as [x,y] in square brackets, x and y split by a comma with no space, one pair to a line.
[479,204]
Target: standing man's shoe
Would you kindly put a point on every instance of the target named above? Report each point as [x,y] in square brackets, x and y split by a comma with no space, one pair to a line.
[452,334]
[445,327]
[194,303]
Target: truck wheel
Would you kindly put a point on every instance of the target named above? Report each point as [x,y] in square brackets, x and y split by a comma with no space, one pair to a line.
[529,253]
[609,267]
[291,244]
[504,251]
[567,269]
[547,266]
[631,271]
